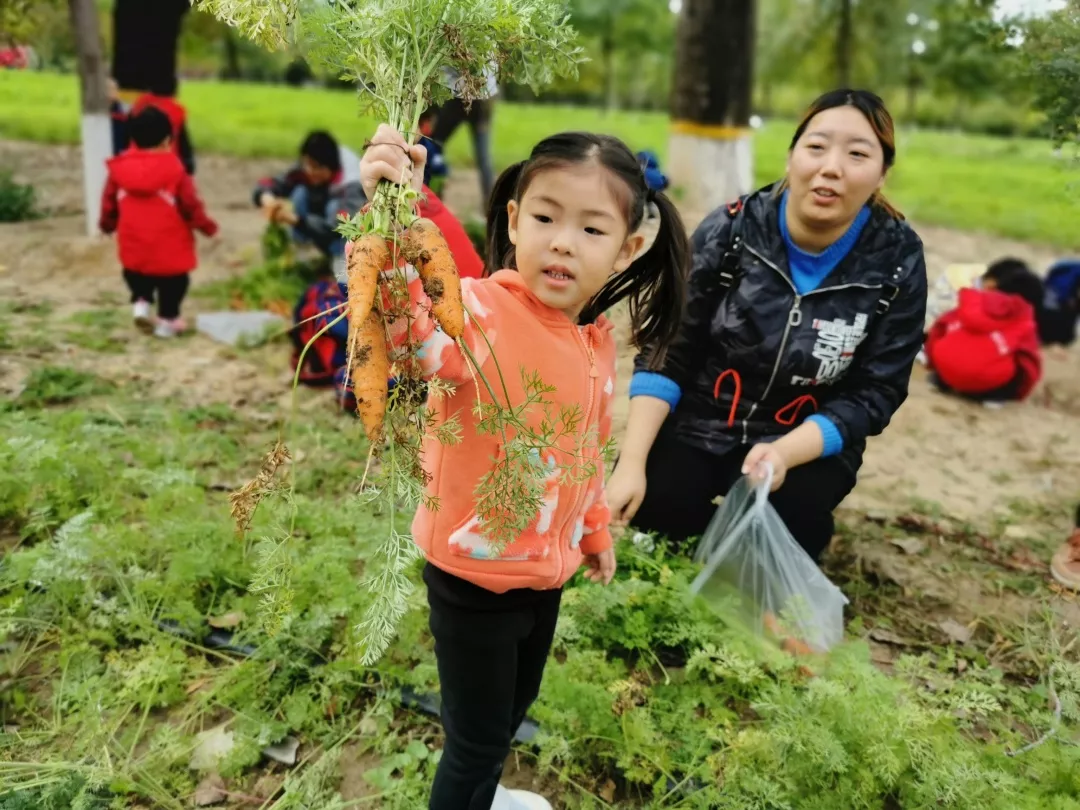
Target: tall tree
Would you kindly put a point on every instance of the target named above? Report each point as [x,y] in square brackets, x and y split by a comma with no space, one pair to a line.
[842,42]
[711,146]
[845,42]
[1052,55]
[622,27]
[967,56]
[96,128]
[778,48]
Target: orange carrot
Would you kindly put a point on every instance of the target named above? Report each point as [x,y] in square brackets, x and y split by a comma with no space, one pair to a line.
[424,247]
[369,372]
[367,259]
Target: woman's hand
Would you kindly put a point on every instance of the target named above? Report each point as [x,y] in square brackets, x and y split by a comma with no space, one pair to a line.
[625,491]
[389,157]
[601,567]
[756,462]
[803,445]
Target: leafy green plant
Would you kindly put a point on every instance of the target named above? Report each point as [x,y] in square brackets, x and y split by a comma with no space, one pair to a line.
[54,385]
[652,698]
[18,201]
[1052,49]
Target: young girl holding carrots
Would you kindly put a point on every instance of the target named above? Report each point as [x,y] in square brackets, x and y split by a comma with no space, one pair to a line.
[564,223]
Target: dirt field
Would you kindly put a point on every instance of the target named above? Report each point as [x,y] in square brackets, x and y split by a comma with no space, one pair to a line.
[971,461]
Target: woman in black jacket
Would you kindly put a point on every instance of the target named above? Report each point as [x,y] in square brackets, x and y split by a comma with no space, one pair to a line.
[805,313]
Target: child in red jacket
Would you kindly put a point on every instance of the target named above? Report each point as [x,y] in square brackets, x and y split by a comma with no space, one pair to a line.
[152,205]
[988,347]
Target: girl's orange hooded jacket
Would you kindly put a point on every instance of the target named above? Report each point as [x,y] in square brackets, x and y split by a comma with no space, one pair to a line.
[576,364]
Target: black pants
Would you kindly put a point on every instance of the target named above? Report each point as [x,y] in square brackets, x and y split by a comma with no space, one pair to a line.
[491,650]
[451,115]
[683,480]
[169,290]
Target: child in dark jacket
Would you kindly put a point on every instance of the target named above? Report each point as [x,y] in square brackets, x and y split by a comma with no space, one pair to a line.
[1061,305]
[151,204]
[988,347]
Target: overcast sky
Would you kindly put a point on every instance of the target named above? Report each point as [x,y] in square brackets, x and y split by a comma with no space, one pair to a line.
[1007,7]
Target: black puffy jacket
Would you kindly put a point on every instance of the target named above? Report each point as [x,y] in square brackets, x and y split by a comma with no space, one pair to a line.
[754,358]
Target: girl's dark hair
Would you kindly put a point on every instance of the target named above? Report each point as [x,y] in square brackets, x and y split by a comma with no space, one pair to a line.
[654,284]
[1013,276]
[875,112]
[149,127]
[323,149]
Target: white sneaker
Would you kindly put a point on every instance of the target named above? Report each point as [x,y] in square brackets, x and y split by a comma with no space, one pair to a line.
[518,800]
[140,313]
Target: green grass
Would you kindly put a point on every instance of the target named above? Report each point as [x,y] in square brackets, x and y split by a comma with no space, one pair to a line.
[1012,187]
[114,523]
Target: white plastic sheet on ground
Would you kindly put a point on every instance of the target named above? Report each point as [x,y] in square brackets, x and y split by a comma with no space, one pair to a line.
[235,327]
[747,550]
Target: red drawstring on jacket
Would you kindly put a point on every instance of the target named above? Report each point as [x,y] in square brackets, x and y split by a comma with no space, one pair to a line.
[794,407]
[738,392]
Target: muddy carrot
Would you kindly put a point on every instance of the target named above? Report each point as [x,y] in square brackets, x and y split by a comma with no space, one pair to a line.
[367,259]
[425,249]
[369,372]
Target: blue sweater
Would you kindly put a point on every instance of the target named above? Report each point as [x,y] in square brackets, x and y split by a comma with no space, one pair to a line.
[808,271]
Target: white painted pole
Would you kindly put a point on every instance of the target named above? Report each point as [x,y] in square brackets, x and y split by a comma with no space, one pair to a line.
[96,149]
[711,148]
[711,171]
[96,128]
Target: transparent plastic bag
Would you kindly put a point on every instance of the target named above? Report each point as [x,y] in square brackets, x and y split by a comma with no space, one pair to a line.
[749,552]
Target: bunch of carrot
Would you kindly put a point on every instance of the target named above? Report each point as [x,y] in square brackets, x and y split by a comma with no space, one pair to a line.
[422,245]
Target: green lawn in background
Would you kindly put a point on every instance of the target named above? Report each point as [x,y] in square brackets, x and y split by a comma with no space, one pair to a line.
[1013,187]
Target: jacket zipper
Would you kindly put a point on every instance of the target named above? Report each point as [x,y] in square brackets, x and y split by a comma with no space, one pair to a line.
[779,272]
[794,319]
[590,382]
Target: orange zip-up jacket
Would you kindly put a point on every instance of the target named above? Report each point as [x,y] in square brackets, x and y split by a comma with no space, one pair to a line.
[525,336]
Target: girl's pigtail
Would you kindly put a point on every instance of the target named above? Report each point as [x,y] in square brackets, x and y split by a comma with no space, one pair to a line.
[500,252]
[654,287]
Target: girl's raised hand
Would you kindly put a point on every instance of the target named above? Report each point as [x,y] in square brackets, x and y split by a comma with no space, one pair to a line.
[389,157]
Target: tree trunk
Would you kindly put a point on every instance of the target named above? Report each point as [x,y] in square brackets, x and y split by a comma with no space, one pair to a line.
[845,37]
[96,127]
[231,69]
[710,150]
[912,101]
[607,49]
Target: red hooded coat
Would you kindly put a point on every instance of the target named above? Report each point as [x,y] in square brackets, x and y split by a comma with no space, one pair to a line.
[173,110]
[152,205]
[985,343]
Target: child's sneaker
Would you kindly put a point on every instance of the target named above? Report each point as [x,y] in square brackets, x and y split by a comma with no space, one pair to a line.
[169,328]
[140,313]
[518,800]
